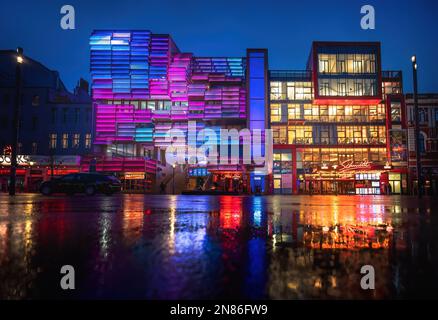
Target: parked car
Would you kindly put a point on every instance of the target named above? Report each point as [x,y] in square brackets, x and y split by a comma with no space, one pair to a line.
[88,183]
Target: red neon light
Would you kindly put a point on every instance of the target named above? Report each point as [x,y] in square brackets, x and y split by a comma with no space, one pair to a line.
[361,101]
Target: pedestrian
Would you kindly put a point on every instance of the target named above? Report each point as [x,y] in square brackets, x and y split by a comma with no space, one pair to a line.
[389,189]
[162,187]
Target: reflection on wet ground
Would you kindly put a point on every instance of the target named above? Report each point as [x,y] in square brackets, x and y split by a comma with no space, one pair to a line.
[200,247]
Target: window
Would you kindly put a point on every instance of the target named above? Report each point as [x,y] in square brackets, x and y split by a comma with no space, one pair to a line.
[76,140]
[341,64]
[54,115]
[88,140]
[35,100]
[151,105]
[34,147]
[342,89]
[323,66]
[163,105]
[359,89]
[277,91]
[77,115]
[357,67]
[65,140]
[6,99]
[64,115]
[347,63]
[34,123]
[422,142]
[88,115]
[275,112]
[422,115]
[324,88]
[294,111]
[4,121]
[69,178]
[300,135]
[279,135]
[53,140]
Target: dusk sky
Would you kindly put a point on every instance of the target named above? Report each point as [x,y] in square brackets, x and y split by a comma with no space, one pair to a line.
[227,28]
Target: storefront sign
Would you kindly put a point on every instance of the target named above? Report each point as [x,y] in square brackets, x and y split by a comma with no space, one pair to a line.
[348,165]
[134,175]
[5,160]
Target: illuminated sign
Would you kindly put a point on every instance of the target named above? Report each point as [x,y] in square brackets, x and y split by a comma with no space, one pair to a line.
[198,172]
[5,160]
[134,175]
[348,165]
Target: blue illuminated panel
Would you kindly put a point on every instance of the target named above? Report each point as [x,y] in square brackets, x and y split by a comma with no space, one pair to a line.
[257,91]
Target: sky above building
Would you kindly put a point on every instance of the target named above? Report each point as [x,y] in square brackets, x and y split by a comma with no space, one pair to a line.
[226,28]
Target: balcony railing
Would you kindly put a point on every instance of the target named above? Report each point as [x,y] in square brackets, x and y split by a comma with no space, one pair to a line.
[293,75]
[391,75]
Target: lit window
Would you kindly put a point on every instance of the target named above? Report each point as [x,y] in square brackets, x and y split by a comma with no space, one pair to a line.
[53,140]
[65,140]
[76,139]
[88,140]
[275,112]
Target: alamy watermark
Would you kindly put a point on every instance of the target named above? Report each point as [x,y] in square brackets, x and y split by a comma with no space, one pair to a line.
[68,280]
[222,147]
[68,20]
[368,21]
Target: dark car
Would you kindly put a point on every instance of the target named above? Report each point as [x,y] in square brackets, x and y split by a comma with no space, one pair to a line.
[88,183]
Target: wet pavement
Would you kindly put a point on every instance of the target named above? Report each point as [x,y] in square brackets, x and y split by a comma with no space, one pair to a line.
[207,247]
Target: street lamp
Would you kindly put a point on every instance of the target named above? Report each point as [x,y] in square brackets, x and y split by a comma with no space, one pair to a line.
[417,126]
[16,121]
[173,178]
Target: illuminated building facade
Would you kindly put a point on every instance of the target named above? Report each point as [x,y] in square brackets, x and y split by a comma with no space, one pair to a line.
[143,86]
[339,126]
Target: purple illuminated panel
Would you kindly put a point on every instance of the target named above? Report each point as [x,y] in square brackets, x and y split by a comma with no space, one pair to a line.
[142,86]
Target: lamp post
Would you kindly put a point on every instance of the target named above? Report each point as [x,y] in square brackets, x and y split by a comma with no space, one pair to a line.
[417,128]
[173,178]
[16,123]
